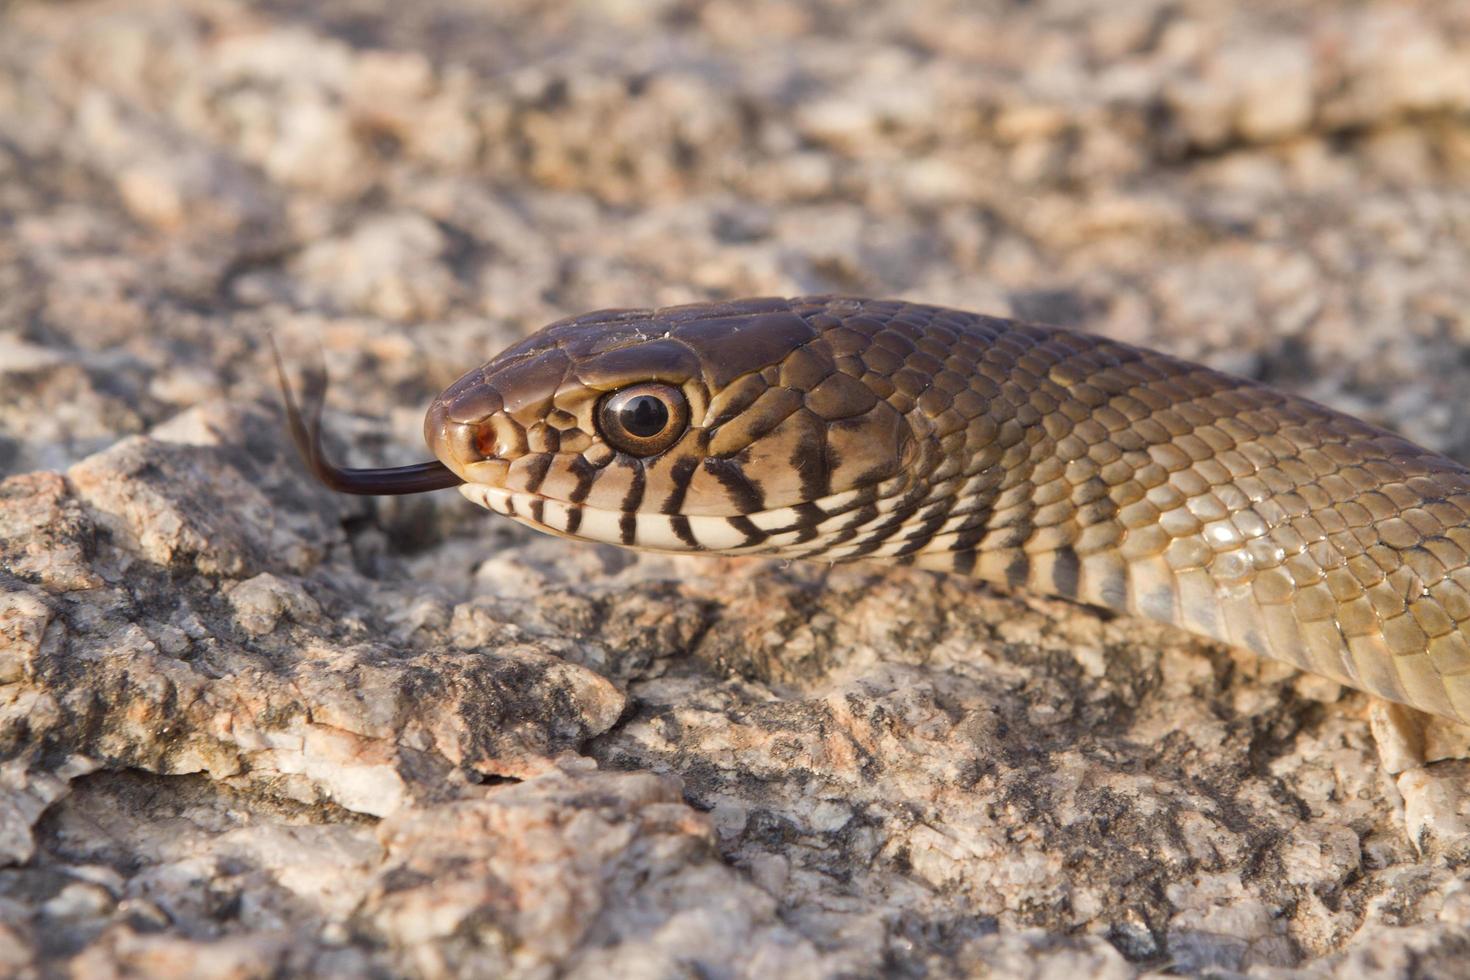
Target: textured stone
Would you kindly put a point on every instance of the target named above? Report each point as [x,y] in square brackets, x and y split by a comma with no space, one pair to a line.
[251,728]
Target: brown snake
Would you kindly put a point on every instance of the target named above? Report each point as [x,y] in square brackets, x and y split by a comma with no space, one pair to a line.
[1035,457]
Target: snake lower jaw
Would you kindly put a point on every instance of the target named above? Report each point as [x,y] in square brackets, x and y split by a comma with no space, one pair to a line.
[489,473]
[552,517]
[827,528]
[643,531]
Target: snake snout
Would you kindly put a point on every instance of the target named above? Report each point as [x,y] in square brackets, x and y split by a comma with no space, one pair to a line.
[467,431]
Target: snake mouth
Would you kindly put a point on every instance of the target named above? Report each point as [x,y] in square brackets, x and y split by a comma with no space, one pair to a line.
[830,525]
[634,529]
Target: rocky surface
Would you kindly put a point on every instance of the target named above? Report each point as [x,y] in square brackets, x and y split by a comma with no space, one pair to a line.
[249,728]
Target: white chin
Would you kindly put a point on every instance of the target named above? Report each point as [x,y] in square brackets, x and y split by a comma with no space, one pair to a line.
[650,532]
[772,532]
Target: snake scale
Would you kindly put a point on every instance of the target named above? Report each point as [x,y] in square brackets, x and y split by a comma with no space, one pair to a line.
[1035,457]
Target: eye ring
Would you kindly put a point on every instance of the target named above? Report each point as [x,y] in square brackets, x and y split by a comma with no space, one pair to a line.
[643,419]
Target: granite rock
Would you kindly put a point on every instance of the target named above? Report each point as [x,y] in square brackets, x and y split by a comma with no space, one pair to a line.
[251,728]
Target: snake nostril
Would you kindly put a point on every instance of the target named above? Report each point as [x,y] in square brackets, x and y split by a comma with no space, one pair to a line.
[485,441]
[456,444]
[498,437]
[466,427]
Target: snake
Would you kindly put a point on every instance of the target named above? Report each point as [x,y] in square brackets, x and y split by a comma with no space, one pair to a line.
[1029,456]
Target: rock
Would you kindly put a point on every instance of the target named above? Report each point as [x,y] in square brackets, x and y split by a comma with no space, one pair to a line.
[164,505]
[390,267]
[252,728]
[262,601]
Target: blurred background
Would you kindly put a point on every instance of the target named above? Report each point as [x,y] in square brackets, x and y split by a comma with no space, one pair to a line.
[1279,189]
[252,728]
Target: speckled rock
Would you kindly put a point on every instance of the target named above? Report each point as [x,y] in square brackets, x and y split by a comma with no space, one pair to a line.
[250,728]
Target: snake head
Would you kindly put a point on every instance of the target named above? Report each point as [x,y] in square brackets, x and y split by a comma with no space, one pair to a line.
[750,426]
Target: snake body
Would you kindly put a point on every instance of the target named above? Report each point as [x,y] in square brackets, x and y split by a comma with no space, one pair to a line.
[1035,457]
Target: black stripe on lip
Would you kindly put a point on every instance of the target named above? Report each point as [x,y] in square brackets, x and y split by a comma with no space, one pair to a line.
[837,540]
[679,524]
[964,562]
[1018,570]
[628,529]
[969,538]
[633,499]
[679,475]
[865,496]
[870,478]
[860,518]
[753,534]
[973,528]
[1065,572]
[538,510]
[585,473]
[574,518]
[808,516]
[907,507]
[745,493]
[814,460]
[1017,532]
[539,467]
[924,534]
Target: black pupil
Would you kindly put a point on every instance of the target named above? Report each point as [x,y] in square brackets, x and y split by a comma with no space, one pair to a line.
[643,416]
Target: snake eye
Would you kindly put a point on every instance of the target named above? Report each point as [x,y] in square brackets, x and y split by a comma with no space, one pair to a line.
[643,420]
